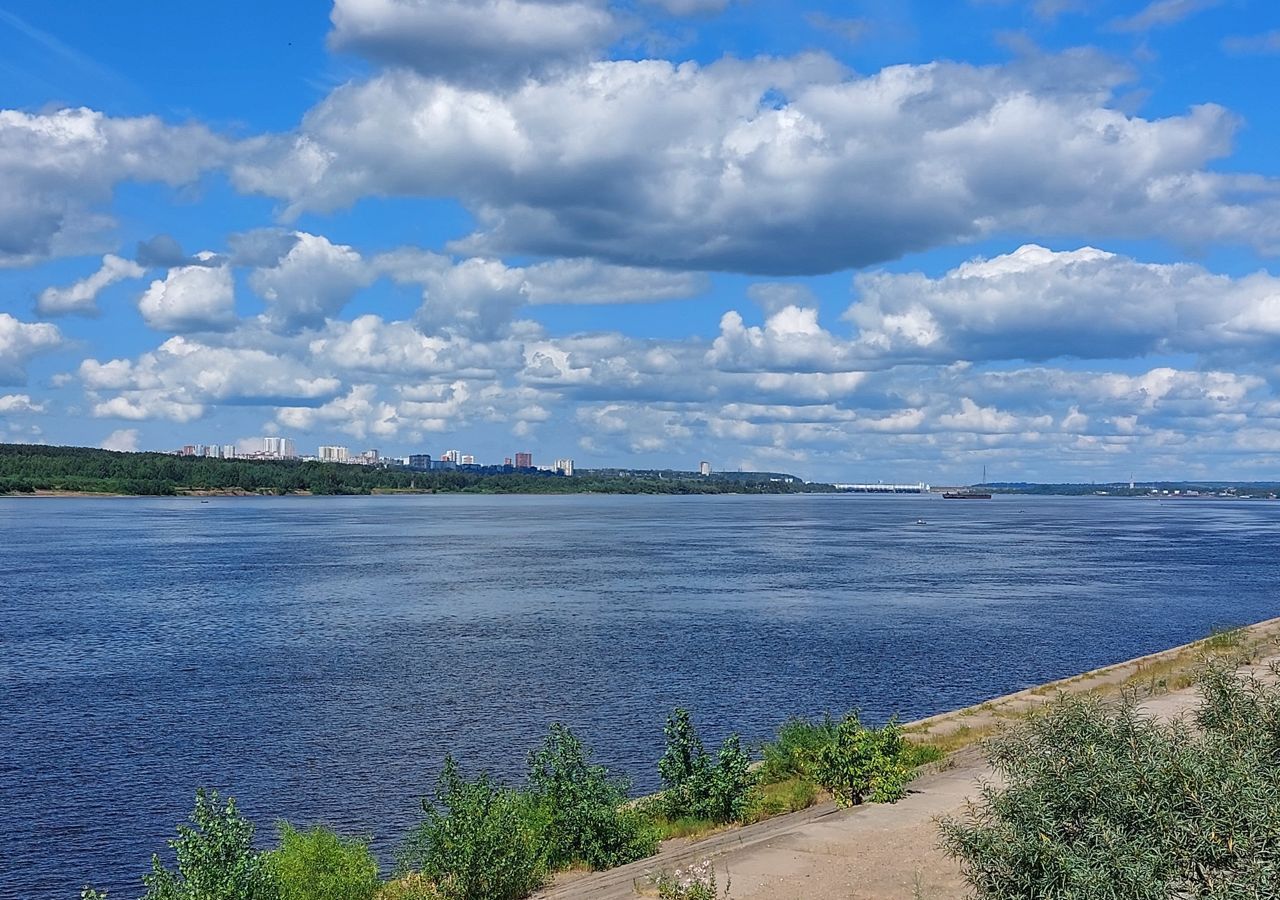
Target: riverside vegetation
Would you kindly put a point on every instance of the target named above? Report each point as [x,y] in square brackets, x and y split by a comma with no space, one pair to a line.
[1100,800]
[483,840]
[26,468]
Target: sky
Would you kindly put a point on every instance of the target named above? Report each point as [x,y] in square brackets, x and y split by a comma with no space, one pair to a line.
[855,241]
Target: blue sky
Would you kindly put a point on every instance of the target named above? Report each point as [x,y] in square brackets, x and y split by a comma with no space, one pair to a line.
[855,241]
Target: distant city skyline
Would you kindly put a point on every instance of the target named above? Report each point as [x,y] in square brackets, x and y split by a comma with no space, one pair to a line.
[284,447]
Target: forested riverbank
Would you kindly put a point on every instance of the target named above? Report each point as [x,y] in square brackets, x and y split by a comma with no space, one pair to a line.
[28,469]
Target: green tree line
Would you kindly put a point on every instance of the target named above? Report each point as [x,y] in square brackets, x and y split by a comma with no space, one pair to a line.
[28,468]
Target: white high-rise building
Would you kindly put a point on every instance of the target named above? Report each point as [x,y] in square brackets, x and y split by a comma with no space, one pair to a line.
[228,451]
[452,456]
[704,468]
[279,448]
[468,459]
[564,466]
[332,454]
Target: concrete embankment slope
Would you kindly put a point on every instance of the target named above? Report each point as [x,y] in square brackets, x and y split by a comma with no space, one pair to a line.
[890,851]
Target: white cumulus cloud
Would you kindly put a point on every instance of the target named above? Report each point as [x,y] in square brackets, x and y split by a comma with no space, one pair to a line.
[483,41]
[19,342]
[123,440]
[82,297]
[11,404]
[182,376]
[781,166]
[58,171]
[1039,304]
[311,282]
[191,298]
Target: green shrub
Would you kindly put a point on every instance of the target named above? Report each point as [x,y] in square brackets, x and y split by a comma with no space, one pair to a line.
[794,752]
[480,840]
[683,764]
[864,763]
[583,806]
[694,785]
[320,865]
[1100,800]
[215,855]
[730,780]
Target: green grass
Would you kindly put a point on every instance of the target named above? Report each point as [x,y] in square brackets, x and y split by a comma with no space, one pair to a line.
[917,755]
[794,752]
[685,827]
[1224,637]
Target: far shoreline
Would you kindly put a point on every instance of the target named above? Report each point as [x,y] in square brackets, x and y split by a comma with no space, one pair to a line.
[202,494]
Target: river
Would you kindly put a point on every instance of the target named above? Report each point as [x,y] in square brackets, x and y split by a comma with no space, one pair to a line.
[317,657]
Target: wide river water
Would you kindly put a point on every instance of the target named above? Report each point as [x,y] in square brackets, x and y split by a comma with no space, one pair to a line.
[317,657]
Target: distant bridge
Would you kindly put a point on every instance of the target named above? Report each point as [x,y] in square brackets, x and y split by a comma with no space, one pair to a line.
[881,488]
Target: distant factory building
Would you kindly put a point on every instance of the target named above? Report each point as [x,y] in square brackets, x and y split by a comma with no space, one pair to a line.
[419,460]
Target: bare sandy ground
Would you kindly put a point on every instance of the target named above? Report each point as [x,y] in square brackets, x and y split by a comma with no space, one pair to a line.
[888,852]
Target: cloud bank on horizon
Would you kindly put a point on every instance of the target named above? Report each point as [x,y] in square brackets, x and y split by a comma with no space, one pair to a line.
[821,238]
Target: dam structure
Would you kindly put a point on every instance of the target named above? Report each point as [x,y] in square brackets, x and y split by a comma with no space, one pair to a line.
[882,488]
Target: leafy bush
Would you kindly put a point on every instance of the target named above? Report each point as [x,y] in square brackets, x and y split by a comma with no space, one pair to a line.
[586,819]
[480,840]
[683,764]
[864,763]
[320,865]
[794,752]
[729,783]
[1101,800]
[216,859]
[694,785]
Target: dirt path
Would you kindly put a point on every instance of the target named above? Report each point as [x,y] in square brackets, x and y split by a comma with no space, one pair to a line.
[886,852]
